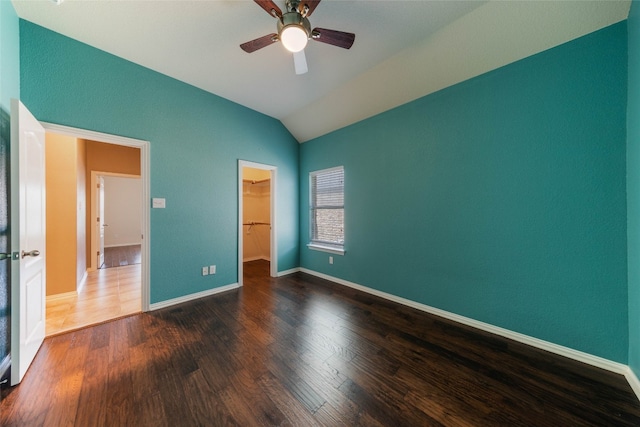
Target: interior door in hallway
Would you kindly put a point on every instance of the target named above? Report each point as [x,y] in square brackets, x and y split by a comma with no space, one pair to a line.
[100,225]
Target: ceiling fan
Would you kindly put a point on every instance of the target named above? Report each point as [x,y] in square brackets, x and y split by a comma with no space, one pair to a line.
[294,30]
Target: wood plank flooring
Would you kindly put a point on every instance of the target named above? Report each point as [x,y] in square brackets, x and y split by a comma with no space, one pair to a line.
[107,294]
[119,256]
[301,351]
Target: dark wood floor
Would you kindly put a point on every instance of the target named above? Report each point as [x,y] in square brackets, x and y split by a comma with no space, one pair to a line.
[119,256]
[301,351]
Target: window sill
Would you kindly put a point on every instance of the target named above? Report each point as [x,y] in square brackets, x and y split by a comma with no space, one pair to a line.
[322,248]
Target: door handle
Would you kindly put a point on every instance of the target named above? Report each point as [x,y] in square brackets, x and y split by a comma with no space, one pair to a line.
[33,253]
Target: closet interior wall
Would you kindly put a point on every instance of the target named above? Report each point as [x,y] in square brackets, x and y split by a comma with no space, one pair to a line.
[256,219]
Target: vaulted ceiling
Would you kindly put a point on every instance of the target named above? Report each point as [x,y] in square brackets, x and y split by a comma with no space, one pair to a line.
[403,49]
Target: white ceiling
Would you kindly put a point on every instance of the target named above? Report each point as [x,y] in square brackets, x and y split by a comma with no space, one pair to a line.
[403,49]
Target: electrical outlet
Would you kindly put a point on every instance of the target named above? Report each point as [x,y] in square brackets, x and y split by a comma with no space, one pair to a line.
[330,260]
[212,269]
[205,271]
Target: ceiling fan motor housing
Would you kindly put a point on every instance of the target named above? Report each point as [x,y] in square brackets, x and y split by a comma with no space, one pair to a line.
[295,19]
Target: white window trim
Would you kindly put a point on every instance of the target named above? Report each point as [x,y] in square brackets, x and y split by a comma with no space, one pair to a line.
[324,248]
[336,248]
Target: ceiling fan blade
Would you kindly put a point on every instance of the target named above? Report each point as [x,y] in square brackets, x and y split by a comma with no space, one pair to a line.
[259,43]
[300,62]
[333,37]
[270,7]
[311,4]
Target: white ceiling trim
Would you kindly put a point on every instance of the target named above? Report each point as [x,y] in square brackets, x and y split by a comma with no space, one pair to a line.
[493,35]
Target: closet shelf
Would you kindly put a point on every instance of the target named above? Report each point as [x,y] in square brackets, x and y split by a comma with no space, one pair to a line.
[256,182]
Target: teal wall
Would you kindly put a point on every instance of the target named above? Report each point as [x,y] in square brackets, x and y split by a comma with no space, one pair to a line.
[9,88]
[196,140]
[10,59]
[633,186]
[501,198]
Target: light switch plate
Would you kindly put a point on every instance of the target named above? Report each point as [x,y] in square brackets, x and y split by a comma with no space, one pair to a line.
[158,203]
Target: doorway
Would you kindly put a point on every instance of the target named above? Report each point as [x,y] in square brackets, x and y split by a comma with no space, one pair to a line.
[116,203]
[103,282]
[257,219]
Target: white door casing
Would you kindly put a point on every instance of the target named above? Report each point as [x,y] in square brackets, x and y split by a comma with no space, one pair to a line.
[95,210]
[100,220]
[28,274]
[273,270]
[144,147]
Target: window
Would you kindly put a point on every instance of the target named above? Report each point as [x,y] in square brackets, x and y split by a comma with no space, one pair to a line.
[326,211]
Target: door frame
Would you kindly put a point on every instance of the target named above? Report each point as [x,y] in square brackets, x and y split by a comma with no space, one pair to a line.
[145,169]
[94,197]
[273,271]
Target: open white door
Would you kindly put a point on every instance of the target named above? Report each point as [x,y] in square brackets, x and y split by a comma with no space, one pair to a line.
[100,221]
[28,286]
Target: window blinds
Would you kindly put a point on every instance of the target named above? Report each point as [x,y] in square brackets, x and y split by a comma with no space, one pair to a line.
[327,206]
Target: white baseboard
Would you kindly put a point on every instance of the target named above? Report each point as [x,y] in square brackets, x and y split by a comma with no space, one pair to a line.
[633,381]
[191,297]
[287,272]
[82,282]
[4,365]
[75,293]
[62,295]
[580,356]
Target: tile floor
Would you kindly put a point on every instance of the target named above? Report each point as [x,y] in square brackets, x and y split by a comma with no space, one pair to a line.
[107,294]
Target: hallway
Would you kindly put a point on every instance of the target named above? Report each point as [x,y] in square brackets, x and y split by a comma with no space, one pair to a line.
[107,294]
[119,256]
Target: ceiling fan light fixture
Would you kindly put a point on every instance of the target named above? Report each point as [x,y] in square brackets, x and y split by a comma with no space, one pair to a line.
[294,37]
[294,31]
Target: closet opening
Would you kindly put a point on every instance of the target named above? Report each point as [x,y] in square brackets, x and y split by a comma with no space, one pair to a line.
[257,250]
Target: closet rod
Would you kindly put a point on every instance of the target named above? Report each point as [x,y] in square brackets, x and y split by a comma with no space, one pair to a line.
[253,181]
[256,223]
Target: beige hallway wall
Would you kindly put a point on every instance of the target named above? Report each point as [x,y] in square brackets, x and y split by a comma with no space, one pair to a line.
[66,212]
